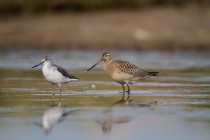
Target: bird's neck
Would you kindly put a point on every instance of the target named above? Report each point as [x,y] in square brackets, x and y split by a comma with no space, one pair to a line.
[107,63]
[47,65]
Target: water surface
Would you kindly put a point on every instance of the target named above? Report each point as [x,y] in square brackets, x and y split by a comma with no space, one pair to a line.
[174,105]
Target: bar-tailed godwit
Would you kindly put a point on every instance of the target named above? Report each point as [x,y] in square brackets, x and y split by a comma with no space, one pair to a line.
[123,72]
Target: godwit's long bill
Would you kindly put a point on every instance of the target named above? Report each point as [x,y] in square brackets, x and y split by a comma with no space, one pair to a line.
[123,72]
[55,74]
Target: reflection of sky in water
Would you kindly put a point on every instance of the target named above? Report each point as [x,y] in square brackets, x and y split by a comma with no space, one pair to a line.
[146,123]
[84,59]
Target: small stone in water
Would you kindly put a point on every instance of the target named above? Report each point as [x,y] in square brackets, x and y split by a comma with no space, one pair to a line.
[93,86]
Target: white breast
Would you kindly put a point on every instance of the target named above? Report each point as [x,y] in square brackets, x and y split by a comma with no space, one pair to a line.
[52,75]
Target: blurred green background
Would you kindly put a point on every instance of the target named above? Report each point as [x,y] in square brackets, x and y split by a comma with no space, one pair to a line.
[96,24]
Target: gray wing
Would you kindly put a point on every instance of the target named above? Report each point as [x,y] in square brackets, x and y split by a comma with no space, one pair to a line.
[64,72]
[132,69]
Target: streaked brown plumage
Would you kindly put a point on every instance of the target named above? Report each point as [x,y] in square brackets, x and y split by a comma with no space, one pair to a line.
[123,72]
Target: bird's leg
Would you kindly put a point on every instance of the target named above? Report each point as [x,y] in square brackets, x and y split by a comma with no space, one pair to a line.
[60,90]
[128,89]
[53,93]
[123,91]
[128,92]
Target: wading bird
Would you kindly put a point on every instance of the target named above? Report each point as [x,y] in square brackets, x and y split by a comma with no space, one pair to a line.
[123,72]
[55,74]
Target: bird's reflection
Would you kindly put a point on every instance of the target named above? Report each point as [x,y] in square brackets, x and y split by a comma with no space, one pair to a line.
[132,103]
[111,117]
[106,124]
[54,115]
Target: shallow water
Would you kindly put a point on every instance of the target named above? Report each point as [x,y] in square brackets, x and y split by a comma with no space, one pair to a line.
[174,105]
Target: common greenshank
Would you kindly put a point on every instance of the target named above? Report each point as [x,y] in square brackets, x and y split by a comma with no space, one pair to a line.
[55,74]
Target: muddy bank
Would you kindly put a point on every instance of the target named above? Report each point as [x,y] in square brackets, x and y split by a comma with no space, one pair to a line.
[186,28]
